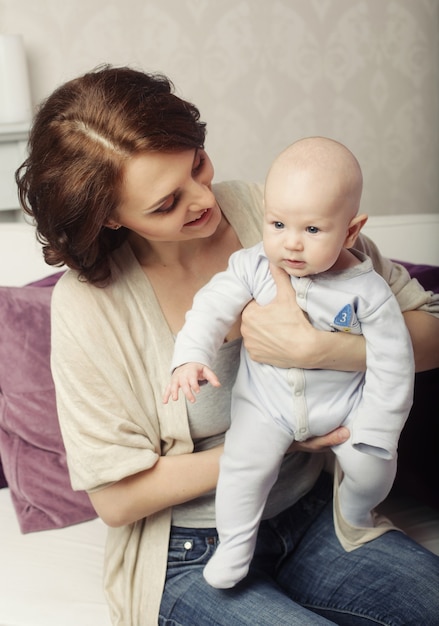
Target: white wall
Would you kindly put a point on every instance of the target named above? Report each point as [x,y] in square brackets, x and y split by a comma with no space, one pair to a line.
[267,72]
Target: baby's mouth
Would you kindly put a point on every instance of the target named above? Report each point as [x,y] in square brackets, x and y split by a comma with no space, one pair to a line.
[294,263]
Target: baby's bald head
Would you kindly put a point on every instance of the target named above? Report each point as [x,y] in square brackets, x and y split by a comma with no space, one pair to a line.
[323,161]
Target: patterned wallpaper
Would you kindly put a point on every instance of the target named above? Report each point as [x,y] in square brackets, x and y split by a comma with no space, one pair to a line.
[265,72]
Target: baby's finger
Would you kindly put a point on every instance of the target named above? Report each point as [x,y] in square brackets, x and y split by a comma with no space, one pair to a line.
[189,388]
[211,377]
[167,394]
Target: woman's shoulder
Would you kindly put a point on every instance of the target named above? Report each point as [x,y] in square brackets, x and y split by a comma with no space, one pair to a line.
[68,286]
[409,293]
[71,286]
[124,269]
[74,300]
[247,194]
[242,204]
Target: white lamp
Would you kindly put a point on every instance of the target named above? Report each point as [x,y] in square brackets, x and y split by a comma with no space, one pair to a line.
[15,101]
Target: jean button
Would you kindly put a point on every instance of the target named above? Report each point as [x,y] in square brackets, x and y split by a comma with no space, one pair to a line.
[187,545]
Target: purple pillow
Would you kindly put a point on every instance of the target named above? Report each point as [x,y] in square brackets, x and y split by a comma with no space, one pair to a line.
[31,448]
[427,275]
[417,451]
[3,481]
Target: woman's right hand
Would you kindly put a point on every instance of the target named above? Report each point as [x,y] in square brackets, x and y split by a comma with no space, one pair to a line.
[176,479]
[322,443]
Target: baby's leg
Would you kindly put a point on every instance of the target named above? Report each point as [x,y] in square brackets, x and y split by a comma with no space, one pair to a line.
[254,448]
[366,482]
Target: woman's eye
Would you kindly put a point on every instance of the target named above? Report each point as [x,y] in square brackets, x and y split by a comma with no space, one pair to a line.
[168,206]
[278,225]
[312,230]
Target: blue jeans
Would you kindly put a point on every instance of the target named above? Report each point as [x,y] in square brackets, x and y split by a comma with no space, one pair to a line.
[300,575]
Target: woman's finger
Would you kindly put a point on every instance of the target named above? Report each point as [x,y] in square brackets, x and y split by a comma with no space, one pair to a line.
[284,288]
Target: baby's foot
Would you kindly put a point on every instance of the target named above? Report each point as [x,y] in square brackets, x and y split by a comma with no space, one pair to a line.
[220,574]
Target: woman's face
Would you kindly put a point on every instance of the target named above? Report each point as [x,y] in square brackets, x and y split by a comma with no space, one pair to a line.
[168,197]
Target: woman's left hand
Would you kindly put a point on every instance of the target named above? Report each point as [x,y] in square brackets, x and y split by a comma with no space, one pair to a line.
[279,333]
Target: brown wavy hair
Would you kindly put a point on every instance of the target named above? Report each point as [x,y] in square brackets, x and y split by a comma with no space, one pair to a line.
[80,140]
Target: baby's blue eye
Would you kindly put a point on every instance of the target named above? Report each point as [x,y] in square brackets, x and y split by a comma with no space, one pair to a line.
[278,225]
[312,229]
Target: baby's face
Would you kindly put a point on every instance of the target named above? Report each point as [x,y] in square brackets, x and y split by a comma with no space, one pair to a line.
[305,223]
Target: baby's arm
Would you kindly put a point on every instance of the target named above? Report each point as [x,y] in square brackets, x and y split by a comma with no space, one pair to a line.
[215,309]
[387,393]
[187,377]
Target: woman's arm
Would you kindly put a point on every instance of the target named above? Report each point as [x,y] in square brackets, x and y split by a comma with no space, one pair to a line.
[177,479]
[281,335]
[171,481]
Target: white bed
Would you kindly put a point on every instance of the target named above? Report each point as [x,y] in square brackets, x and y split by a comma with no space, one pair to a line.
[54,577]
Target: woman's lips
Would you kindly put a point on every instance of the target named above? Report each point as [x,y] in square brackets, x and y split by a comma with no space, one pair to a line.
[199,220]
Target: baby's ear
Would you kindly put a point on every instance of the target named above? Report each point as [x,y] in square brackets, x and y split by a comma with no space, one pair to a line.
[355,225]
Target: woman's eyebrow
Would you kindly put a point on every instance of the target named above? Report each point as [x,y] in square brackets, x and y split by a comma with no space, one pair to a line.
[158,202]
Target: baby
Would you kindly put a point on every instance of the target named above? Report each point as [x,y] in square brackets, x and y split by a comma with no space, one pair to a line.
[311,222]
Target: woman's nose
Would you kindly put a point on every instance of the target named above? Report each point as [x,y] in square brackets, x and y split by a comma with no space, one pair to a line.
[201,197]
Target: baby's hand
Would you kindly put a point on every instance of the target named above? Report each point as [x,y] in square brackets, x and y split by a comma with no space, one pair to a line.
[187,377]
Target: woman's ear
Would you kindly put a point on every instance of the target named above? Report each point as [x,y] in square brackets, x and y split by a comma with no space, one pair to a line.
[355,225]
[112,225]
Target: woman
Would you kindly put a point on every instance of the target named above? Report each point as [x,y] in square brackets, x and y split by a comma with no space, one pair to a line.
[121,190]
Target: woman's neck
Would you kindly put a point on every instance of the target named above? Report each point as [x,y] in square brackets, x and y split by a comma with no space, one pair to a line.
[178,270]
[183,254]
